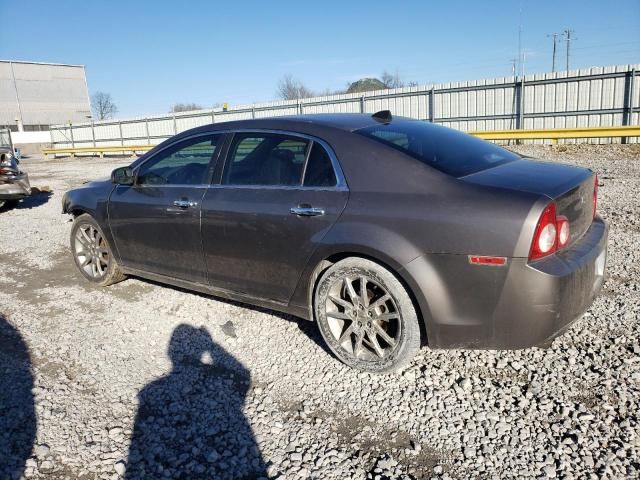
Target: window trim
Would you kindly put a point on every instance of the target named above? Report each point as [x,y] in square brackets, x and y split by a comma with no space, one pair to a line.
[219,163]
[307,154]
[341,183]
[210,168]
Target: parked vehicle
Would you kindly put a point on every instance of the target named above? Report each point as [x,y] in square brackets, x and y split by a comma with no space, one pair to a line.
[14,183]
[388,232]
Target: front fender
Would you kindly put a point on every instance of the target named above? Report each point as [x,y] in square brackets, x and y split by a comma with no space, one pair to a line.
[93,199]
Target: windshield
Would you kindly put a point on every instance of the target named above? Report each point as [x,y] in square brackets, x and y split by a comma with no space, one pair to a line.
[450,151]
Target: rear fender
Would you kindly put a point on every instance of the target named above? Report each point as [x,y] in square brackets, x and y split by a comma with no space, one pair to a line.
[375,243]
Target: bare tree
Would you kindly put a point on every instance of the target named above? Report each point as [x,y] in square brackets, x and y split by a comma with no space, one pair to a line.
[103,106]
[392,80]
[327,92]
[292,89]
[185,107]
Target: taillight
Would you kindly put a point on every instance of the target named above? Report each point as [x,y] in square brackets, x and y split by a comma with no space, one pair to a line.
[551,234]
[564,235]
[595,196]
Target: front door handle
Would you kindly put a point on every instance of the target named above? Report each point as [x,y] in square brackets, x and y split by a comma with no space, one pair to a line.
[185,203]
[306,211]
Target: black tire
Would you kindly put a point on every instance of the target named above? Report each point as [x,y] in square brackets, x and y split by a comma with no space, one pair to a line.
[8,204]
[353,329]
[92,253]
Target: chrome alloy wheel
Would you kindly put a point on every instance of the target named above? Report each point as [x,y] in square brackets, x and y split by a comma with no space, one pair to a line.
[90,249]
[363,318]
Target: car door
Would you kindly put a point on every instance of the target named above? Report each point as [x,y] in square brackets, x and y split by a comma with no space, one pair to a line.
[155,223]
[278,196]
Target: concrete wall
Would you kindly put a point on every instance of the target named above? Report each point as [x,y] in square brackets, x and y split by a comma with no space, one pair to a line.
[24,138]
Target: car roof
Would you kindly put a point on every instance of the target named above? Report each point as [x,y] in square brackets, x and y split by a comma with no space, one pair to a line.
[347,122]
[342,121]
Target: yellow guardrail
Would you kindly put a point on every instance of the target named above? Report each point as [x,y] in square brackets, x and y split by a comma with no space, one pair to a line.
[99,150]
[556,133]
[553,134]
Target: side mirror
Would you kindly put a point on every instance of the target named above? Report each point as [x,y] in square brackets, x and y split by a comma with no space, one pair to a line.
[122,176]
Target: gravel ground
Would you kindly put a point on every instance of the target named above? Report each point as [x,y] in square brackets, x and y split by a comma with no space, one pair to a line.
[140,380]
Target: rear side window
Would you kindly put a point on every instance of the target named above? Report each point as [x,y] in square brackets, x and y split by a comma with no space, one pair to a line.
[265,159]
[319,171]
[450,151]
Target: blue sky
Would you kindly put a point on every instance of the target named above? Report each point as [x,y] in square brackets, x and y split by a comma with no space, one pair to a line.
[152,54]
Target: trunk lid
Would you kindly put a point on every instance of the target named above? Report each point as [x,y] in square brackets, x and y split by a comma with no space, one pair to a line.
[571,187]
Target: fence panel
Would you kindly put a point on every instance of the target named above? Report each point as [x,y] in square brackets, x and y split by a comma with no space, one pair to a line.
[598,97]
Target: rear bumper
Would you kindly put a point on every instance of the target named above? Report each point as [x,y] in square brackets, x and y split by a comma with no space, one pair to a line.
[519,305]
[13,188]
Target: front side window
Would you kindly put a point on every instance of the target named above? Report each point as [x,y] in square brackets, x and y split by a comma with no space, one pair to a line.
[265,159]
[185,163]
[450,151]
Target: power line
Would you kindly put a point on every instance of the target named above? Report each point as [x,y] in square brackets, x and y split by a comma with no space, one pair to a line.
[605,45]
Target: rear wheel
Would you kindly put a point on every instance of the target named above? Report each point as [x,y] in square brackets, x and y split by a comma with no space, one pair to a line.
[92,253]
[366,316]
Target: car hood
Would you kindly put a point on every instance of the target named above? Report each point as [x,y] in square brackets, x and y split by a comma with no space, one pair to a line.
[97,183]
[534,176]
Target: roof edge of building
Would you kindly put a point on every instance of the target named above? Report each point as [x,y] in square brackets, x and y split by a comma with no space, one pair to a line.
[41,63]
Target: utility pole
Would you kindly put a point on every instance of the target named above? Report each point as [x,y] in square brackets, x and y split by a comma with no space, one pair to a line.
[520,40]
[567,38]
[20,120]
[514,62]
[553,58]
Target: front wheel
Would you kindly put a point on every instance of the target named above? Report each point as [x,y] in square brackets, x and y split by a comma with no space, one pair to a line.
[366,316]
[92,253]
[9,204]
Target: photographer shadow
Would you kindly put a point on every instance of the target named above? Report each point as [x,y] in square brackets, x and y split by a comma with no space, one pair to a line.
[190,423]
[17,411]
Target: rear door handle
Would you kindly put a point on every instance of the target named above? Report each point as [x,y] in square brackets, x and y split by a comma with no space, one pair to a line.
[304,211]
[185,203]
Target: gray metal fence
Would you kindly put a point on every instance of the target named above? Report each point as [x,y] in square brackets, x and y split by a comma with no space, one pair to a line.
[594,97]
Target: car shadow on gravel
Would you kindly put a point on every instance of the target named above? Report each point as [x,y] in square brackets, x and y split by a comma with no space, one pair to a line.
[17,411]
[309,328]
[190,423]
[38,197]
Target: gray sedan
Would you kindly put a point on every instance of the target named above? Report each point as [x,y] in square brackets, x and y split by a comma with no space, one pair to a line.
[388,232]
[14,183]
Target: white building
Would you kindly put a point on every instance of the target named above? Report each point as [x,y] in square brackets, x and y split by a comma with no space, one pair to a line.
[35,95]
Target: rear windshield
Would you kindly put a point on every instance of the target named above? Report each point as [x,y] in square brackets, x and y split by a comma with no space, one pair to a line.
[444,149]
